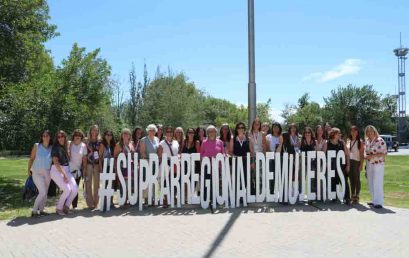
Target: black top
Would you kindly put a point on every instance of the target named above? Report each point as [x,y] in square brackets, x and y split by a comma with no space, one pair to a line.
[336,147]
[288,147]
[59,152]
[190,150]
[307,147]
[241,149]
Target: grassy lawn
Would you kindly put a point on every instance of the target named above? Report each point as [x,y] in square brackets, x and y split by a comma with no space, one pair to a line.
[13,175]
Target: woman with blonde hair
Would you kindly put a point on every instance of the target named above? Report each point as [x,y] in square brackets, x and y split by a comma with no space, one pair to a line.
[179,137]
[125,146]
[93,166]
[375,152]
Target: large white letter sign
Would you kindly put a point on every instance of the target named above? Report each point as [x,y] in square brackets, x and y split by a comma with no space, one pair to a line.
[105,191]
[185,178]
[218,169]
[330,174]
[260,166]
[229,184]
[241,185]
[251,198]
[153,183]
[121,163]
[303,169]
[321,169]
[310,175]
[174,181]
[164,179]
[143,184]
[293,182]
[340,160]
[195,158]
[283,180]
[133,191]
[205,170]
[269,176]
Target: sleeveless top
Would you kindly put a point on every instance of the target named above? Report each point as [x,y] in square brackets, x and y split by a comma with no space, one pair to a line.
[127,149]
[241,148]
[257,141]
[151,146]
[273,142]
[353,150]
[43,158]
[320,145]
[294,142]
[107,154]
[287,147]
[171,149]
[93,154]
[190,150]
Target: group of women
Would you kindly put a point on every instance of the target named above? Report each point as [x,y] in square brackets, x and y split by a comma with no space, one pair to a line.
[67,161]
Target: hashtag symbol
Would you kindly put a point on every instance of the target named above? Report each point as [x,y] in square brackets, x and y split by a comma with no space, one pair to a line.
[105,190]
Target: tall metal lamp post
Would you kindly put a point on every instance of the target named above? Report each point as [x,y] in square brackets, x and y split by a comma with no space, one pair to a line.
[252,108]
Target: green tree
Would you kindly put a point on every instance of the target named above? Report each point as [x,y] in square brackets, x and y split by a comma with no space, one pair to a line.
[24,28]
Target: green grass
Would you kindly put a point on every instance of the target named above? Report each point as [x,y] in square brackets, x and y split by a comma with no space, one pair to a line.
[13,175]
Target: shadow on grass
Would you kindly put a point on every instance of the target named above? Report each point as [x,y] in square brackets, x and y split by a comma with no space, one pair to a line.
[196,210]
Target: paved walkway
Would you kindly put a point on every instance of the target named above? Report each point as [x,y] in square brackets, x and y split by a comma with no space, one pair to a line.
[330,230]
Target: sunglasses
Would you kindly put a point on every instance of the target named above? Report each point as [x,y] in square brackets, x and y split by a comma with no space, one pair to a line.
[110,135]
[45,135]
[241,127]
[60,136]
[191,132]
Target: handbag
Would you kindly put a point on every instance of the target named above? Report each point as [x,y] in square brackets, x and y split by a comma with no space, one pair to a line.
[76,173]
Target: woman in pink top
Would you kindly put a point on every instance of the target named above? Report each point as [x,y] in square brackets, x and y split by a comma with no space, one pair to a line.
[210,148]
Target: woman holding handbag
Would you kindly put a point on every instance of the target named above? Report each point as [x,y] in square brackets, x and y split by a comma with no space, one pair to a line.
[39,168]
[78,159]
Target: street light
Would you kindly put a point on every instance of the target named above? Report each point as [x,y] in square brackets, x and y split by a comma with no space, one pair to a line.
[252,109]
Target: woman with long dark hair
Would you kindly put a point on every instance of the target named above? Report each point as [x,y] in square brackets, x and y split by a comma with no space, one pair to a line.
[225,135]
[39,168]
[77,151]
[106,152]
[356,153]
[308,144]
[240,145]
[137,135]
[200,137]
[189,144]
[60,173]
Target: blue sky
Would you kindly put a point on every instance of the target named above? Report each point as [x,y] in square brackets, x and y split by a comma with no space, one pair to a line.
[301,46]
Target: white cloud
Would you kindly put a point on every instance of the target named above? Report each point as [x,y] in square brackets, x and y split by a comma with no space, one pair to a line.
[349,66]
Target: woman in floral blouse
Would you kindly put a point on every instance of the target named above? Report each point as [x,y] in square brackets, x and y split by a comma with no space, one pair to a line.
[375,152]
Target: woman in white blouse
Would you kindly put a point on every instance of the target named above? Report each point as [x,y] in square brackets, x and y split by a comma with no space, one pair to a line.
[375,152]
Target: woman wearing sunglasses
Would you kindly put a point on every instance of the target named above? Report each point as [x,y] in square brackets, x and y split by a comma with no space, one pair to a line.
[60,173]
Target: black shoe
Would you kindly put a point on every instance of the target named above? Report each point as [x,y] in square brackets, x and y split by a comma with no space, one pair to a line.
[347,202]
[43,213]
[378,206]
[370,203]
[35,214]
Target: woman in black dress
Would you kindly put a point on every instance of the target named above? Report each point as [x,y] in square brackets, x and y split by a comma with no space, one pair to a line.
[240,146]
[308,144]
[336,144]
